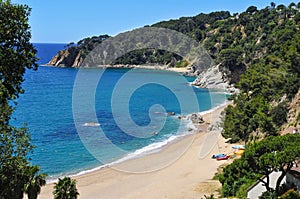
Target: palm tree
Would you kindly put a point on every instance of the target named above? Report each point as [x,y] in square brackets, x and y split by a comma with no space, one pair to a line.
[65,189]
[35,182]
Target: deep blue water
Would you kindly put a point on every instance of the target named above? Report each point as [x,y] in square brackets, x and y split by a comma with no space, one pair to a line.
[56,108]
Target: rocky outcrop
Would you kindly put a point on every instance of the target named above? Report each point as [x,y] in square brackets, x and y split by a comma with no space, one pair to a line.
[213,78]
[215,126]
[293,115]
[196,118]
[70,57]
[74,55]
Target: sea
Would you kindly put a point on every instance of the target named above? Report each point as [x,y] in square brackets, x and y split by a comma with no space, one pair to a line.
[84,119]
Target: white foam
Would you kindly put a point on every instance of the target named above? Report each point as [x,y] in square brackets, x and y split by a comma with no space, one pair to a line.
[215,108]
[54,179]
[91,124]
[150,149]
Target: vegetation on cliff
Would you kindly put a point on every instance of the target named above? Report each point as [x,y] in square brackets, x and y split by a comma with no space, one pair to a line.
[270,83]
[234,41]
[267,94]
[237,41]
[74,54]
[150,56]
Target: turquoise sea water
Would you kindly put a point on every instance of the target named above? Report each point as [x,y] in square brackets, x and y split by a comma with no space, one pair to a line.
[48,109]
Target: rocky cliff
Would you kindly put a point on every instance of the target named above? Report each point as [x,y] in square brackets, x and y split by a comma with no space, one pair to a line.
[293,115]
[214,78]
[70,57]
[74,54]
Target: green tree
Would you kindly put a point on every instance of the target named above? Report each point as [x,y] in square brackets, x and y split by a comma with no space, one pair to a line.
[251,9]
[34,183]
[274,153]
[232,60]
[65,189]
[16,54]
[297,17]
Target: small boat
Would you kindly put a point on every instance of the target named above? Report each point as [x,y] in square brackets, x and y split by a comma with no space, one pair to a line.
[218,156]
[239,151]
[223,158]
[239,147]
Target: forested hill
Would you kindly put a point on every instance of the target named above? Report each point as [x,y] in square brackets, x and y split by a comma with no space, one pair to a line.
[234,40]
[269,48]
[239,40]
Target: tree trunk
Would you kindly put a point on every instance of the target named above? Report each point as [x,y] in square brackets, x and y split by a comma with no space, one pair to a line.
[279,180]
[32,194]
[266,184]
[18,191]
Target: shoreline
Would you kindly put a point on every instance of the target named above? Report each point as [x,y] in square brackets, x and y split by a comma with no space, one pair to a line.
[180,70]
[142,152]
[99,180]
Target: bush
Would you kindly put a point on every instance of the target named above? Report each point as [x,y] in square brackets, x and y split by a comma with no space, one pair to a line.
[291,194]
[268,195]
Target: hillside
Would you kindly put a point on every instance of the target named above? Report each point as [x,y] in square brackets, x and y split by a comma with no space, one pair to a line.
[235,41]
[239,40]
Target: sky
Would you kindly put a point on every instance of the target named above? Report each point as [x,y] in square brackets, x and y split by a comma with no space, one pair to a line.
[64,21]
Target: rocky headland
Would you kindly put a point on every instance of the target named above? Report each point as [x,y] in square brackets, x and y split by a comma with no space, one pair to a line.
[210,78]
[70,57]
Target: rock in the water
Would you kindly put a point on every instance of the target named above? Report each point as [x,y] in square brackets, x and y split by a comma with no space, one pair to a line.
[196,118]
[171,113]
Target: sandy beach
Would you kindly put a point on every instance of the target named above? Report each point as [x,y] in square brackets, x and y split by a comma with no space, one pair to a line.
[180,70]
[168,173]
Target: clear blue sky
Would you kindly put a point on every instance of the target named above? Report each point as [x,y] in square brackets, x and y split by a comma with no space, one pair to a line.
[64,21]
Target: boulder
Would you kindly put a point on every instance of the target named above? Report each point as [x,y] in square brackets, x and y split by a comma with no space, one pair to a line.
[196,118]
[215,127]
[171,113]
